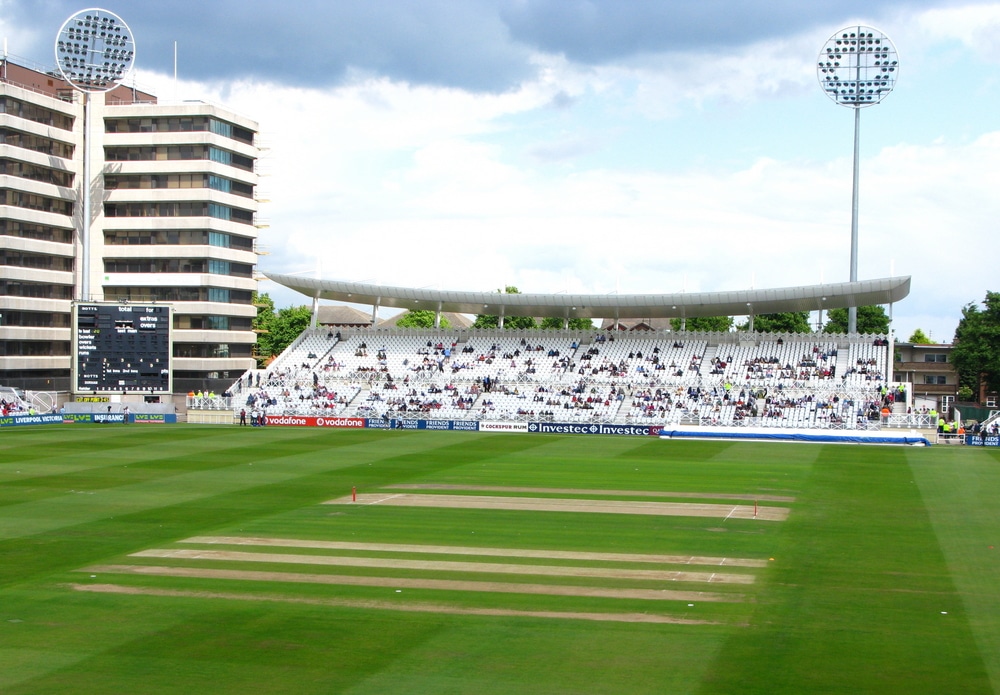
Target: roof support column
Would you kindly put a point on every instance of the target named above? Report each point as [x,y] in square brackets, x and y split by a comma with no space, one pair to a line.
[378,300]
[437,317]
[500,317]
[819,315]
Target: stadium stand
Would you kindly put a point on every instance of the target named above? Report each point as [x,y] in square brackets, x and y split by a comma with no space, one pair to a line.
[731,379]
[11,402]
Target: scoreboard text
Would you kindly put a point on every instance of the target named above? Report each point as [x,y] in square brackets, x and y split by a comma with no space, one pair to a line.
[122,348]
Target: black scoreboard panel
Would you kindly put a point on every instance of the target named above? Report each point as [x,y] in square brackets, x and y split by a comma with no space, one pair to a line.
[122,348]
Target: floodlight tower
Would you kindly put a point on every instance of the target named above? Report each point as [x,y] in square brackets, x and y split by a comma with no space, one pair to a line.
[95,53]
[857,67]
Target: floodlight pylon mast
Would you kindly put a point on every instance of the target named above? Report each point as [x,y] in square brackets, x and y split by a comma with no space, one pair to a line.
[95,52]
[857,68]
[85,188]
[852,311]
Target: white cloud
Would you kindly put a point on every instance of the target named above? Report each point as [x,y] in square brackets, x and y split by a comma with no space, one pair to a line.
[975,25]
[420,186]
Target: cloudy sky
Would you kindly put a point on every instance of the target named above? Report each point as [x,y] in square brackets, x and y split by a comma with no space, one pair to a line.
[593,145]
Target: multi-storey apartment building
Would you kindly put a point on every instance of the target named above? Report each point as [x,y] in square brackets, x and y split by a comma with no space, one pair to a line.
[173,217]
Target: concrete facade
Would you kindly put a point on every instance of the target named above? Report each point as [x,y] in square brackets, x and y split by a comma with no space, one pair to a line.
[173,219]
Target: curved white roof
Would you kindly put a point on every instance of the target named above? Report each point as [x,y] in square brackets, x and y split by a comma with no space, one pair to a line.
[599,306]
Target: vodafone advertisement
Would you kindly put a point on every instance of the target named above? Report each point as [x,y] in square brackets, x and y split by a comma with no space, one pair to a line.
[305,421]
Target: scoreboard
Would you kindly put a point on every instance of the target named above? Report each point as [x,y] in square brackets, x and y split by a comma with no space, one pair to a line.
[121,348]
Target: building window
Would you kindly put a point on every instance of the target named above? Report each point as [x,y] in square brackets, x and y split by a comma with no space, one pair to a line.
[218,239]
[217,267]
[218,183]
[220,212]
[165,294]
[27,230]
[935,380]
[175,209]
[156,294]
[34,348]
[217,350]
[155,265]
[174,124]
[177,124]
[30,201]
[23,259]
[150,153]
[36,143]
[34,172]
[220,156]
[39,290]
[174,237]
[218,294]
[35,319]
[32,112]
[212,323]
[933,357]
[222,128]
[241,189]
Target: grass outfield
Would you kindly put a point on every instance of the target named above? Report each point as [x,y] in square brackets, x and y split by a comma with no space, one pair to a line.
[186,559]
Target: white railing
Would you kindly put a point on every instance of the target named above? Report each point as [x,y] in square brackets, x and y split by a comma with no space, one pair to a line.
[209,403]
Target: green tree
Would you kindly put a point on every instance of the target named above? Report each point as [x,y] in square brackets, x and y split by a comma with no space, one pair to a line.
[288,324]
[262,324]
[918,337]
[276,330]
[509,322]
[423,318]
[786,322]
[872,320]
[717,324]
[556,323]
[976,354]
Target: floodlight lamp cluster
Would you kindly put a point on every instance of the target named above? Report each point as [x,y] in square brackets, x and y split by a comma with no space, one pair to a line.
[858,67]
[94,50]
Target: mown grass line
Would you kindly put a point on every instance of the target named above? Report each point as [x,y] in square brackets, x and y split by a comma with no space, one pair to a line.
[154,645]
[852,603]
[79,539]
[860,598]
[170,645]
[960,488]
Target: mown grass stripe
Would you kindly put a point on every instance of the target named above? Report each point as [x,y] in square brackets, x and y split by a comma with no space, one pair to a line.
[447,566]
[460,550]
[412,583]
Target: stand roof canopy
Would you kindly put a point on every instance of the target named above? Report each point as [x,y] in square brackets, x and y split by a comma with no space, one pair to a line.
[599,306]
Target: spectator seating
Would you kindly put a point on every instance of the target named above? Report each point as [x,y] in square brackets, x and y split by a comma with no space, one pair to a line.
[656,378]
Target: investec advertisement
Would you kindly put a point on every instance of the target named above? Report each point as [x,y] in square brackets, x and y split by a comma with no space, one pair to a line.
[464,425]
[595,428]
